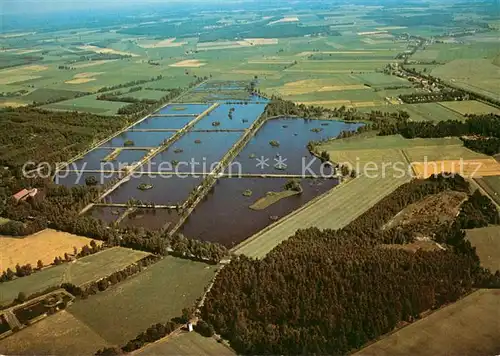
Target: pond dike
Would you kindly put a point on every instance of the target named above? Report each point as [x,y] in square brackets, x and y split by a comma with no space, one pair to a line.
[153,153]
[207,184]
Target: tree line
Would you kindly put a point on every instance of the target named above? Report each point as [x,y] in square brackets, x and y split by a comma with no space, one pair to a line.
[332,291]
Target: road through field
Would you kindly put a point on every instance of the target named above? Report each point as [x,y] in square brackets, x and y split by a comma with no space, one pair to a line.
[334,210]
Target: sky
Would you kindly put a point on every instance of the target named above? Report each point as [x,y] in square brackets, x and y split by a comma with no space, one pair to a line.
[20,6]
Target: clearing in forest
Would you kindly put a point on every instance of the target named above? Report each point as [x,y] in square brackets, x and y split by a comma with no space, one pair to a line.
[44,245]
[467,327]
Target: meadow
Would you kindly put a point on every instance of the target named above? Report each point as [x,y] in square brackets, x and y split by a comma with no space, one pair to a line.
[485,240]
[453,329]
[157,294]
[81,272]
[470,107]
[492,186]
[54,335]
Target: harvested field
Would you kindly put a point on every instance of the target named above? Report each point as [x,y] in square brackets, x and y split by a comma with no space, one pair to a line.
[470,107]
[44,245]
[368,33]
[169,42]
[475,168]
[157,294]
[12,104]
[106,50]
[333,210]
[8,79]
[285,19]
[452,151]
[467,327]
[80,272]
[92,63]
[261,41]
[428,213]
[486,240]
[54,335]
[79,80]
[188,63]
[315,85]
[186,344]
[87,74]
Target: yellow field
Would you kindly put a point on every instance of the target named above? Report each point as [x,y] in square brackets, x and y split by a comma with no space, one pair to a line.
[308,53]
[87,74]
[285,19]
[467,327]
[315,85]
[372,33]
[107,50]
[18,78]
[474,168]
[261,41]
[388,28]
[470,107]
[188,63]
[54,335]
[45,246]
[169,42]
[79,80]
[20,74]
[12,104]
[93,63]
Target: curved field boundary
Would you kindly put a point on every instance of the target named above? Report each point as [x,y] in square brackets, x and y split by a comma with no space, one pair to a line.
[332,210]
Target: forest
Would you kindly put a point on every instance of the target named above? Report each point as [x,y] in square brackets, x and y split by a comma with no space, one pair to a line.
[480,133]
[330,292]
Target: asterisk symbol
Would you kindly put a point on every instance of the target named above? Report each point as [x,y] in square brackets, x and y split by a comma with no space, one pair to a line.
[262,162]
[280,162]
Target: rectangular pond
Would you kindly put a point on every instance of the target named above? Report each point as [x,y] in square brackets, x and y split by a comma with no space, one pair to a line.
[225,217]
[289,155]
[94,160]
[164,190]
[194,152]
[108,214]
[139,139]
[163,123]
[184,109]
[241,118]
[70,179]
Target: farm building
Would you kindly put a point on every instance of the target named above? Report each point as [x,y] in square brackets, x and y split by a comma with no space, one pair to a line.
[25,193]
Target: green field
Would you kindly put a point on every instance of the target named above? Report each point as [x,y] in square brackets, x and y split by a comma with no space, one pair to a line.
[333,210]
[145,94]
[87,104]
[155,295]
[486,240]
[431,112]
[80,272]
[467,327]
[187,344]
[470,107]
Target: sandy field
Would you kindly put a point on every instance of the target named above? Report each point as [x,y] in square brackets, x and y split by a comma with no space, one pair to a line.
[107,50]
[188,63]
[13,104]
[261,41]
[169,42]
[371,33]
[44,245]
[285,19]
[79,80]
[93,63]
[23,70]
[308,53]
[18,78]
[388,28]
[473,168]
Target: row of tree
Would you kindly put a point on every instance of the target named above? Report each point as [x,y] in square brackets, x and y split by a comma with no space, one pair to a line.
[329,292]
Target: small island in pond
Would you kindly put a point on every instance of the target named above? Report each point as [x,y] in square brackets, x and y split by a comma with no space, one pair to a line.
[145,186]
[291,188]
[128,143]
[247,193]
[274,143]
[215,123]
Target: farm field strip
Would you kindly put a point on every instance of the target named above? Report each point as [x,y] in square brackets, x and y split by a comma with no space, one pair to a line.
[475,168]
[452,330]
[157,294]
[491,185]
[470,107]
[333,210]
[80,272]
